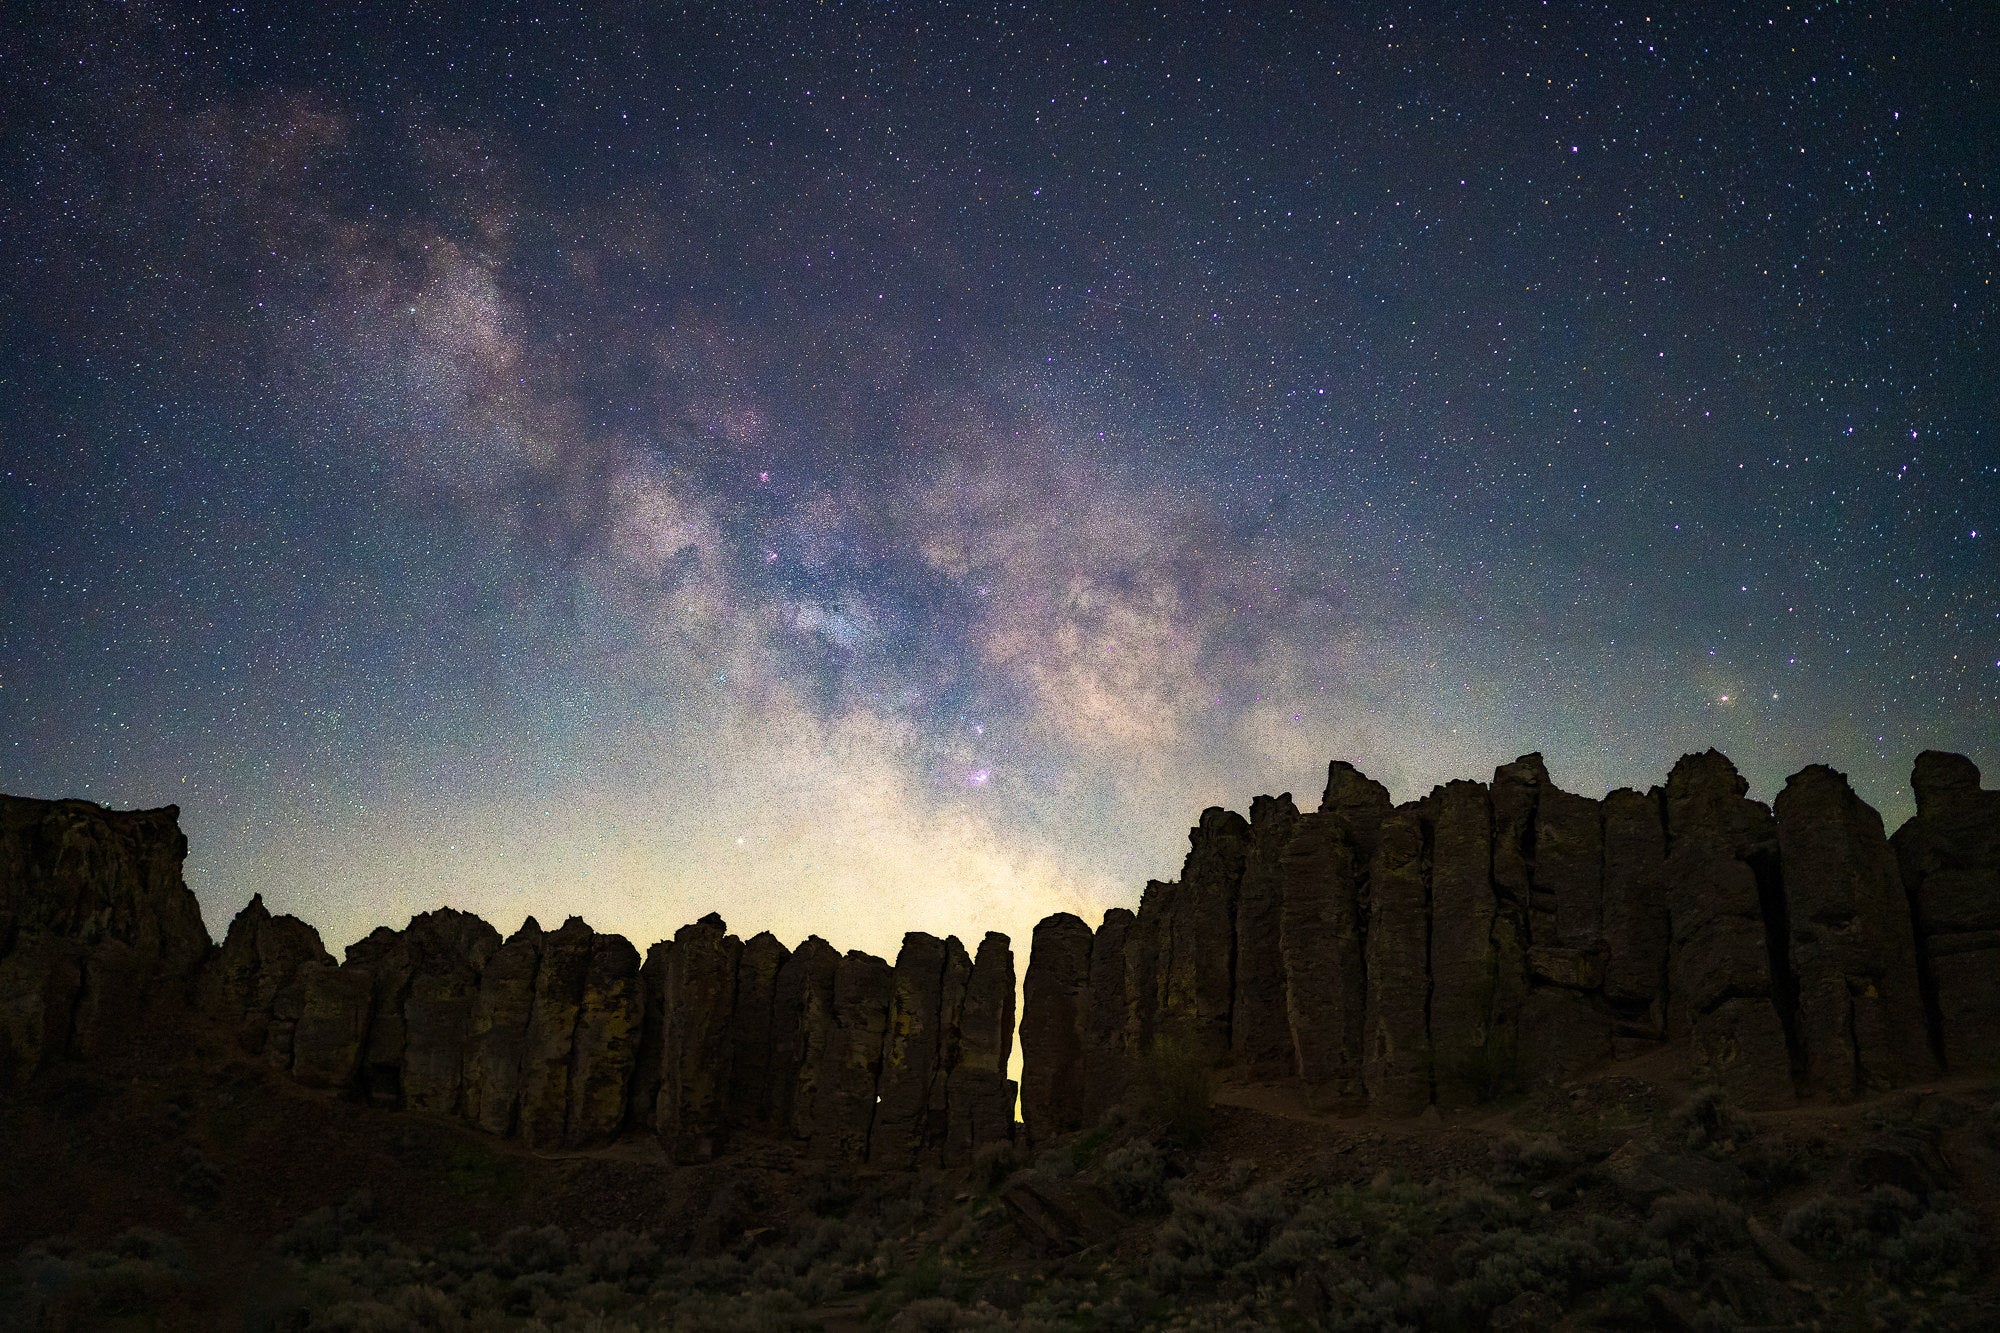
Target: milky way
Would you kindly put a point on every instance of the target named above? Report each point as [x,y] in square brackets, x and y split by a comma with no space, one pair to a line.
[866,469]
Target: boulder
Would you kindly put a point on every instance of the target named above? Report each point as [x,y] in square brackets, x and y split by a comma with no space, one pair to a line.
[1259,1033]
[609,1023]
[1861,1013]
[1396,1061]
[844,1096]
[1052,1072]
[692,1117]
[1564,1031]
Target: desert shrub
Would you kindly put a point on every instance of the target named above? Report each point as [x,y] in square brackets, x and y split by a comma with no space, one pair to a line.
[1694,1228]
[1774,1161]
[1205,1237]
[1136,1175]
[328,1231]
[1889,1232]
[1176,1089]
[618,1256]
[1478,1207]
[931,1312]
[198,1179]
[1941,1240]
[1558,1264]
[1084,1148]
[359,1316]
[1707,1122]
[144,1276]
[531,1250]
[426,1307]
[1530,1159]
[993,1163]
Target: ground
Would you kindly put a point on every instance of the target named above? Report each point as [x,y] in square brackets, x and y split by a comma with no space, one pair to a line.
[200,1190]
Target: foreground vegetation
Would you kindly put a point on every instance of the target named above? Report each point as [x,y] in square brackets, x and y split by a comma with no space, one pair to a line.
[1692,1215]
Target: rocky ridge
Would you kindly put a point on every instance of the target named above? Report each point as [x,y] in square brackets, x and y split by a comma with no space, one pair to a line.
[1506,934]
[1374,956]
[557,1038]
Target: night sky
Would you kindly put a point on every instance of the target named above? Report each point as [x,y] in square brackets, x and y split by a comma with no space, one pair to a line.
[868,468]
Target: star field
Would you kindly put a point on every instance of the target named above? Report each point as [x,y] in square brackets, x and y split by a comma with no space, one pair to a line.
[864,468]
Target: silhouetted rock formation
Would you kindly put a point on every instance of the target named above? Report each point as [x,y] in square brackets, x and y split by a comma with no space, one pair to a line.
[1949,855]
[1437,953]
[97,931]
[1495,935]
[561,1038]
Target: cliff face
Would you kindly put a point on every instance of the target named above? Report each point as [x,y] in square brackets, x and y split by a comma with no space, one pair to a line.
[564,1039]
[1494,935]
[97,931]
[1392,957]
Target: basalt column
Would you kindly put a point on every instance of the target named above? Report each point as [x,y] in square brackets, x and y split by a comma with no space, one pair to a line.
[911,1049]
[609,1023]
[1107,1050]
[1636,930]
[258,985]
[500,1031]
[753,1037]
[1195,980]
[1052,1072]
[1469,1049]
[978,1093]
[1323,877]
[1730,985]
[1950,860]
[801,1022]
[844,1101]
[1397,1058]
[692,1117]
[97,928]
[1259,1033]
[1565,1024]
[545,1065]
